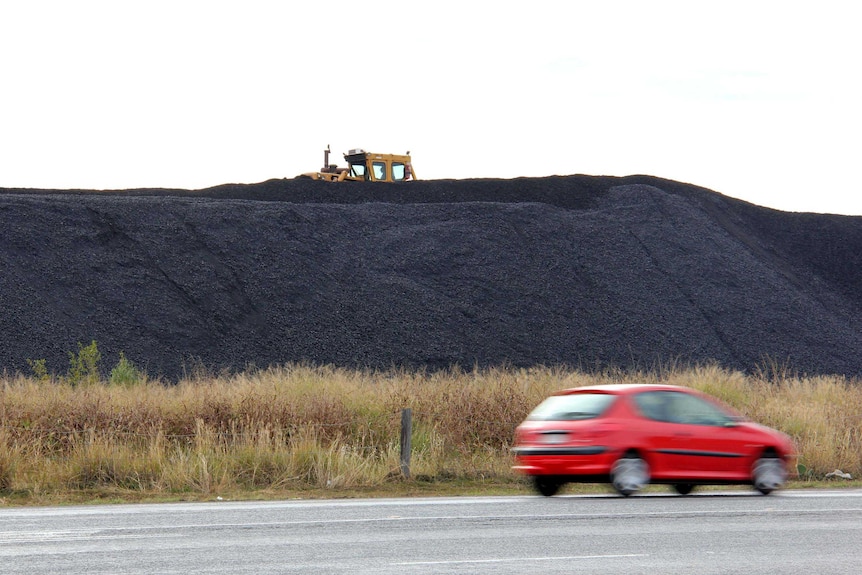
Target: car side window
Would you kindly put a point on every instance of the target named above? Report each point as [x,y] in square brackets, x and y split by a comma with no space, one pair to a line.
[379,169]
[654,405]
[678,407]
[698,411]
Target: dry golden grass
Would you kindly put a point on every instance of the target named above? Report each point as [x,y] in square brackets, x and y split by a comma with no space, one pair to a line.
[302,427]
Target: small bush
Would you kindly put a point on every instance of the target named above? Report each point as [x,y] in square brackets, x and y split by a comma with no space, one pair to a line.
[40,371]
[126,373]
[84,366]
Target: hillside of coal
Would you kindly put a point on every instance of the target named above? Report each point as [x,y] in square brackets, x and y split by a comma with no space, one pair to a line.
[580,271]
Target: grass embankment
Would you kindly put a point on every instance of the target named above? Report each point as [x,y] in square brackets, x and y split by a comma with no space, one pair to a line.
[322,431]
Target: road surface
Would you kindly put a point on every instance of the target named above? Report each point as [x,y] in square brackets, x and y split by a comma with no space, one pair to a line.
[727,532]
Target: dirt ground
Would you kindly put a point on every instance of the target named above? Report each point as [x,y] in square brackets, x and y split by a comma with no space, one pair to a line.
[582,271]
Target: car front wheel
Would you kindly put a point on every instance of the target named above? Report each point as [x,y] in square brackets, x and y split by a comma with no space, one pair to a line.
[768,473]
[629,474]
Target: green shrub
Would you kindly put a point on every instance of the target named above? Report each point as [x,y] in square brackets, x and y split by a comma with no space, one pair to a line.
[84,366]
[126,373]
[40,371]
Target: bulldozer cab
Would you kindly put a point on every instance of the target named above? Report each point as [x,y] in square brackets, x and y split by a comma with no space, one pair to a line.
[367,167]
[379,167]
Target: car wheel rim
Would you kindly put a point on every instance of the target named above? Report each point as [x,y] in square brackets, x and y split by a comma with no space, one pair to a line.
[630,475]
[769,474]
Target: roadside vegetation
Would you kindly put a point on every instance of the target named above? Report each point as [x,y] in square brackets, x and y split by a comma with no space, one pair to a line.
[322,431]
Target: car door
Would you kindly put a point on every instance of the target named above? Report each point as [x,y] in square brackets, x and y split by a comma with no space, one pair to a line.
[711,443]
[668,441]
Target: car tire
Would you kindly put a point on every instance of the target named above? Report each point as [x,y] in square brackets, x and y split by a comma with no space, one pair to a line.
[629,474]
[768,473]
[683,488]
[545,485]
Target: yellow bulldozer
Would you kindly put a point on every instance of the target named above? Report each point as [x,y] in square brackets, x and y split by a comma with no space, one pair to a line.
[365,167]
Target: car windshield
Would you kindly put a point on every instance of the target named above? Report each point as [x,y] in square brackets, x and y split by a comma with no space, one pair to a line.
[572,406]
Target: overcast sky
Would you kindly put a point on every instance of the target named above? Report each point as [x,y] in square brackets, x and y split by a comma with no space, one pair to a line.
[758,100]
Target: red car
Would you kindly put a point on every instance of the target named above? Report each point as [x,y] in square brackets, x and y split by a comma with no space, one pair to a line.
[634,434]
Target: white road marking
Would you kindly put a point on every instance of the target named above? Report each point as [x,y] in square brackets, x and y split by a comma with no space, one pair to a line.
[146,508]
[16,537]
[519,559]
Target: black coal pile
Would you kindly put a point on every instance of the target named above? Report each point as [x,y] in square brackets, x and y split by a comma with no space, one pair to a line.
[586,272]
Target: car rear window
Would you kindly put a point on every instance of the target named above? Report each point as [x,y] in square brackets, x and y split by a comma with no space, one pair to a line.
[572,407]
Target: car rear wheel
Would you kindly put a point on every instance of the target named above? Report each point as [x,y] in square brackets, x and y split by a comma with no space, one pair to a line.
[545,485]
[768,473]
[683,488]
[629,474]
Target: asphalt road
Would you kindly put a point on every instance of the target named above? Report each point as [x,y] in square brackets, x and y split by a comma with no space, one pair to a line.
[740,532]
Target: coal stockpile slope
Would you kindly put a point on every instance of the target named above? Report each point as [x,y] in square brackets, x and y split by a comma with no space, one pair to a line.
[581,271]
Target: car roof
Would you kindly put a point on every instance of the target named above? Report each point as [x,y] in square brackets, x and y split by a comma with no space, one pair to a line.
[623,388]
